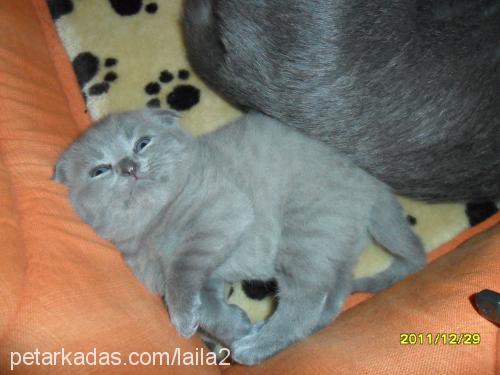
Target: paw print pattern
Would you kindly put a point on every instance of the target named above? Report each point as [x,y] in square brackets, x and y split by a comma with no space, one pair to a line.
[182,97]
[132,7]
[87,66]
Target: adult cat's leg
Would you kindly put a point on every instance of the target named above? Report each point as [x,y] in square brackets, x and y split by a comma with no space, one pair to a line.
[223,321]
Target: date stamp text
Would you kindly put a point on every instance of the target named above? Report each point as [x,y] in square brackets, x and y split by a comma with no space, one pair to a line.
[444,338]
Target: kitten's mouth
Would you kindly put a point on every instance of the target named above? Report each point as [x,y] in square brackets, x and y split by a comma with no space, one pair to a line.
[136,178]
[132,191]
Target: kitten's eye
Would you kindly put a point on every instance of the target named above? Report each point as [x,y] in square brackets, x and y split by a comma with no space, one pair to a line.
[141,143]
[100,170]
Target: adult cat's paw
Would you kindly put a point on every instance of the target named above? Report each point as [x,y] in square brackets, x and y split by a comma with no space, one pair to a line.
[186,320]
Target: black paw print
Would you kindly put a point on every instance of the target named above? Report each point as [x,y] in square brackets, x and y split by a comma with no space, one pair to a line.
[59,8]
[181,98]
[87,66]
[257,289]
[132,7]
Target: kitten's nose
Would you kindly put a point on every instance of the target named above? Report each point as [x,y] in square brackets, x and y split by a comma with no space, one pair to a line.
[128,167]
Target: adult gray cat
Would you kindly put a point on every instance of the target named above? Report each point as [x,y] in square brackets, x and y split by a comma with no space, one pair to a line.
[407,89]
[253,200]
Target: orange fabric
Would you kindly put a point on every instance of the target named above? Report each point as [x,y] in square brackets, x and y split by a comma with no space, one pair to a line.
[63,287]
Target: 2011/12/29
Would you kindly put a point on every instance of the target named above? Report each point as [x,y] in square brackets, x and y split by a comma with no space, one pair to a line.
[440,338]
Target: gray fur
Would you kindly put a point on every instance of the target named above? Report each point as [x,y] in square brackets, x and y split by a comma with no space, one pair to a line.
[407,89]
[253,200]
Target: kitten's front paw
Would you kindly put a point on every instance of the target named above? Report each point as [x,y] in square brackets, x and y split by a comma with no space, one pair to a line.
[186,321]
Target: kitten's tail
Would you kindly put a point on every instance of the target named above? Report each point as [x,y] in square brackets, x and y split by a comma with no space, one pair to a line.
[205,49]
[390,229]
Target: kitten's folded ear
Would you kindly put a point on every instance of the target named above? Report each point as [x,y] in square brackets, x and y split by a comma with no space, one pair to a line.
[166,116]
[59,174]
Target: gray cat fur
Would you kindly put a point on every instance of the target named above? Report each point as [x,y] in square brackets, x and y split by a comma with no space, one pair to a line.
[253,200]
[408,90]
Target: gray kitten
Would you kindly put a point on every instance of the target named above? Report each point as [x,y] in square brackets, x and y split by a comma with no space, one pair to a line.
[253,200]
[407,89]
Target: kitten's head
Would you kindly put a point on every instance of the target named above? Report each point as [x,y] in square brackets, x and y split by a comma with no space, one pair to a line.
[122,171]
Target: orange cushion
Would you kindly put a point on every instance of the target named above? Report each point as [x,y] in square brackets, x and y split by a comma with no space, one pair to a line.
[63,287]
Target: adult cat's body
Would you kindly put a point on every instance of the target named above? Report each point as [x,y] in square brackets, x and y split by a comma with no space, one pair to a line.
[253,200]
[407,89]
